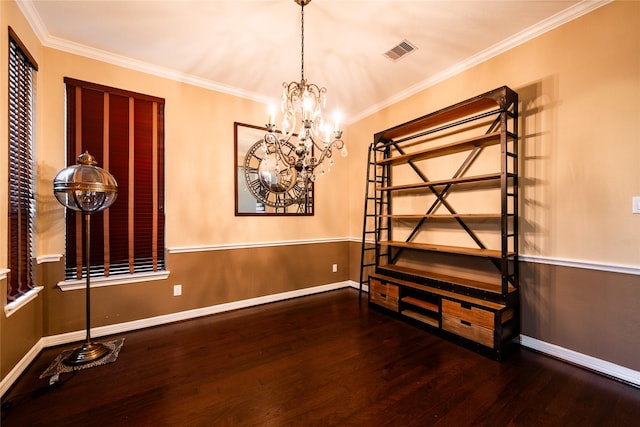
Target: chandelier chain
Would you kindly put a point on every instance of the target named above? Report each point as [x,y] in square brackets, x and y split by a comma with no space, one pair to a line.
[302,41]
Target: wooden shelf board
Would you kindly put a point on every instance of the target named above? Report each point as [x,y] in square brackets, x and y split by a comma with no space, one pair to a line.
[446,115]
[462,281]
[422,304]
[491,253]
[437,291]
[461,180]
[444,216]
[421,317]
[445,149]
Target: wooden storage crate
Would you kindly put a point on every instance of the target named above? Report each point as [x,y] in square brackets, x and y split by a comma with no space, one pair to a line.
[469,330]
[383,294]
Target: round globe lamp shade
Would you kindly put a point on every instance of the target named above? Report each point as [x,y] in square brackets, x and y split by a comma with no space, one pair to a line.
[85,187]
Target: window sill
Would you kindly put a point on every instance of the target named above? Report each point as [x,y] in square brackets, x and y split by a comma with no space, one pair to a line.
[121,279]
[16,305]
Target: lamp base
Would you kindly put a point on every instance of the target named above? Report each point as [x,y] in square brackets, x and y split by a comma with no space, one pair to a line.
[89,352]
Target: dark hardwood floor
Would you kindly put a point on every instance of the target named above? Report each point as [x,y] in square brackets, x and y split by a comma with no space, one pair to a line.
[324,360]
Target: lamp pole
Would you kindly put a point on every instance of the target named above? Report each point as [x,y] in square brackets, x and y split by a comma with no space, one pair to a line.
[89,351]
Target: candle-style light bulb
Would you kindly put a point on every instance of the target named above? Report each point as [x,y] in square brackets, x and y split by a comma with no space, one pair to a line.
[327,132]
[337,118]
[307,106]
[272,114]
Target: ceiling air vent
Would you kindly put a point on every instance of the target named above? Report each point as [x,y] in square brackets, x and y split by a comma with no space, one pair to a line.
[402,49]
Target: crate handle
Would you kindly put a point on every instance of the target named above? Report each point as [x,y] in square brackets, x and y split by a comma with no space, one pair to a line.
[464,322]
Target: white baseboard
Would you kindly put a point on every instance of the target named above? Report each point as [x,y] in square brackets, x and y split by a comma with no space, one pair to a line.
[20,367]
[70,337]
[598,365]
[606,368]
[189,314]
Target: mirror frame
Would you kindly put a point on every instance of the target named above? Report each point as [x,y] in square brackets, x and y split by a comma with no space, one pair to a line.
[245,136]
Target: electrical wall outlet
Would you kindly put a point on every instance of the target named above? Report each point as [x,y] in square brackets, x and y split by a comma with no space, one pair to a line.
[335,268]
[177,290]
[635,205]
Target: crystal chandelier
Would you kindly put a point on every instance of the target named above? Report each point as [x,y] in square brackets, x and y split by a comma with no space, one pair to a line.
[302,105]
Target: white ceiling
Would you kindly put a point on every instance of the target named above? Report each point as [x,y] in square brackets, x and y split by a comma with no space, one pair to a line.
[250,47]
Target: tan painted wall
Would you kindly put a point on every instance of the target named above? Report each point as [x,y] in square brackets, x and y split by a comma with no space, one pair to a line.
[579,87]
[199,206]
[589,311]
[20,332]
[199,162]
[208,278]
[580,134]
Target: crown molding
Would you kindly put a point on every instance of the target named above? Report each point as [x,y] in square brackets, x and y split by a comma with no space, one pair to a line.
[522,37]
[33,18]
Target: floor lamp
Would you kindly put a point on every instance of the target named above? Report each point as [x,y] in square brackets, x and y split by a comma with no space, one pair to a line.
[86,188]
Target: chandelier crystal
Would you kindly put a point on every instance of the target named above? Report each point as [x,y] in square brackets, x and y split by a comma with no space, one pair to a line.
[302,109]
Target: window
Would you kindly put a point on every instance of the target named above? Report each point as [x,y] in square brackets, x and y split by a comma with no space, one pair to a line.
[22,68]
[124,131]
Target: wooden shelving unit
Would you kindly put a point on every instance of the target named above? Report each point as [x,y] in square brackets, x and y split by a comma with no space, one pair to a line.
[462,288]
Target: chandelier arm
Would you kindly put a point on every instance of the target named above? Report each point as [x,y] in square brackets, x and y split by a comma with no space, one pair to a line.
[315,144]
[286,136]
[324,154]
[290,161]
[328,150]
[272,138]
